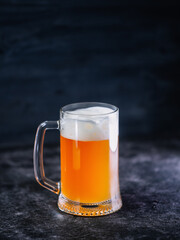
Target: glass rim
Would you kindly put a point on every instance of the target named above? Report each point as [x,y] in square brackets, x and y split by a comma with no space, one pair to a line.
[110,106]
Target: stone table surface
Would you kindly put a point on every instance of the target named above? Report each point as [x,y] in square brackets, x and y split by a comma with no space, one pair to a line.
[150,188]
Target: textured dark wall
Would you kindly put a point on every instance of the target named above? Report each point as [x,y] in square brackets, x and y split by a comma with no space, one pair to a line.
[57,52]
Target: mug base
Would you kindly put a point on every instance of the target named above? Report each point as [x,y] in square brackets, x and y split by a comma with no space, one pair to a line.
[89,209]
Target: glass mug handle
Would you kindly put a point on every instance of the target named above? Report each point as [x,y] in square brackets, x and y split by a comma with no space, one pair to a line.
[38,157]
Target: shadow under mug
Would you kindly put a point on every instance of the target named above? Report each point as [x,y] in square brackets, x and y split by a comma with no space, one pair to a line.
[89,156]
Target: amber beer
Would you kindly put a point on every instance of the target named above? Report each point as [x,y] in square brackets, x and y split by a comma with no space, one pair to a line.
[86,165]
[85,170]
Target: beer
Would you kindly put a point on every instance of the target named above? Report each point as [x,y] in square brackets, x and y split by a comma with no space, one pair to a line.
[87,159]
[89,182]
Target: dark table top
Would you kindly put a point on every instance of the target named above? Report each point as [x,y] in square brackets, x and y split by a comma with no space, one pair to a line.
[150,188]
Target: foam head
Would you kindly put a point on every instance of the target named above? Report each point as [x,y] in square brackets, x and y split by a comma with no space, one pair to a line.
[90,124]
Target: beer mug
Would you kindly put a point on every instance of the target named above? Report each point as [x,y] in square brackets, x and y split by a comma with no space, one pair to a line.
[89,156]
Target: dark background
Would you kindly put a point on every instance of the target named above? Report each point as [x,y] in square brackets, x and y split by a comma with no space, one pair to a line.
[53,53]
[123,52]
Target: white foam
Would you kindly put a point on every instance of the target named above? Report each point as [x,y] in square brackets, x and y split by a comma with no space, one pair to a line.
[91,111]
[90,124]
